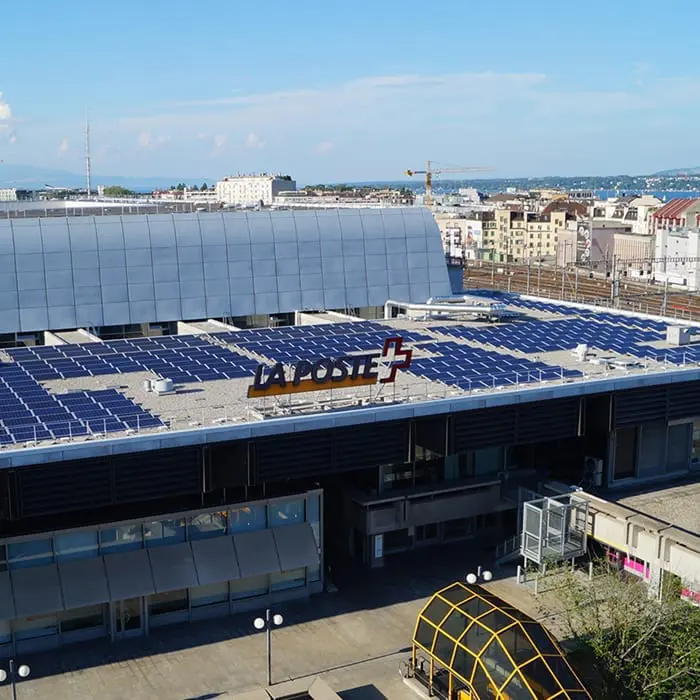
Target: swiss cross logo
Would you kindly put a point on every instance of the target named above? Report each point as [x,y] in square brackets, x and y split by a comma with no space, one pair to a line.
[395,358]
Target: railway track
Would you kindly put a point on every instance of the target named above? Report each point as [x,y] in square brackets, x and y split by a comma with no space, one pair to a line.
[578,285]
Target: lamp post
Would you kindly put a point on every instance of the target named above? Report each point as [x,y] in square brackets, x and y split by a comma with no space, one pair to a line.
[484,576]
[267,623]
[22,671]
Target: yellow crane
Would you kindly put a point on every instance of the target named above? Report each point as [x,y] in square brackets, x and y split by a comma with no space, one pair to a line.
[430,171]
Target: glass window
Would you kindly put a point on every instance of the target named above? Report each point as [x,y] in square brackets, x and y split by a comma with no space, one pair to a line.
[443,648]
[455,624]
[210,594]
[247,518]
[455,594]
[29,553]
[541,639]
[496,662]
[562,672]
[286,512]
[88,617]
[425,633]
[463,663]
[678,443]
[436,611]
[76,545]
[517,644]
[476,606]
[695,452]
[625,452]
[482,684]
[164,603]
[163,532]
[540,678]
[475,638]
[496,620]
[296,578]
[488,461]
[207,525]
[516,689]
[121,538]
[313,515]
[313,574]
[35,626]
[250,587]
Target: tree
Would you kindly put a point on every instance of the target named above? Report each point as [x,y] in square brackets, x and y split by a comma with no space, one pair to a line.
[636,646]
[204,187]
[117,191]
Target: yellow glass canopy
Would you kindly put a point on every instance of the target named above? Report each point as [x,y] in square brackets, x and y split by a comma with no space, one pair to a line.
[491,649]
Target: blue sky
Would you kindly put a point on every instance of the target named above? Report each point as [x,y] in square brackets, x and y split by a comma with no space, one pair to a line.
[331,91]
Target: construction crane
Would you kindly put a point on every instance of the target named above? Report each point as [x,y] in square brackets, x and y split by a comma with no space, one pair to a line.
[430,171]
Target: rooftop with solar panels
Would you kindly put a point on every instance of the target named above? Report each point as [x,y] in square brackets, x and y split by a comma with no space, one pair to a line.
[77,392]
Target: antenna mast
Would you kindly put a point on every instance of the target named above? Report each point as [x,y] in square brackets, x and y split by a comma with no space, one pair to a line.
[88,174]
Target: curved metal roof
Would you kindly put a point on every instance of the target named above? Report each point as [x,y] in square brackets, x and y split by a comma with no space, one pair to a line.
[59,273]
[492,648]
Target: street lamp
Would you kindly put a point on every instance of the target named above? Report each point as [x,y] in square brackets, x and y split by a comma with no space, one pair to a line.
[485,576]
[23,671]
[267,623]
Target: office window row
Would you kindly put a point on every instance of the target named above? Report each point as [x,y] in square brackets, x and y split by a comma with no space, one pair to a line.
[162,532]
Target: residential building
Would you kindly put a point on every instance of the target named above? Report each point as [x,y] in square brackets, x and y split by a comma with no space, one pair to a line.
[518,236]
[252,190]
[12,194]
[678,258]
[462,233]
[635,211]
[678,213]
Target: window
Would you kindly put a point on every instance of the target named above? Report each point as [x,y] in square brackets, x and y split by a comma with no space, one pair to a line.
[164,603]
[163,532]
[210,594]
[207,525]
[313,517]
[625,452]
[695,451]
[121,538]
[247,518]
[250,587]
[89,617]
[35,626]
[296,578]
[29,553]
[286,512]
[76,545]
[679,438]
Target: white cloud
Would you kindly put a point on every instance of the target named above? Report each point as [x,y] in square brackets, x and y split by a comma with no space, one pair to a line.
[254,141]
[145,140]
[63,147]
[5,109]
[324,147]
[220,145]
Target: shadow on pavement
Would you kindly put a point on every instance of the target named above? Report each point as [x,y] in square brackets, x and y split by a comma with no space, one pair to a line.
[364,692]
[405,577]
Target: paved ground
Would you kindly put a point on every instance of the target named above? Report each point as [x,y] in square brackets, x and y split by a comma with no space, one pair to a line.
[354,639]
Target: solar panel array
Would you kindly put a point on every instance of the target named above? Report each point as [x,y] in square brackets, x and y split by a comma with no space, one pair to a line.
[30,413]
[294,343]
[181,358]
[473,368]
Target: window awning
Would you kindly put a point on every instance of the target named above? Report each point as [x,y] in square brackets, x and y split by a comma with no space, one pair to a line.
[84,582]
[296,546]
[257,553]
[37,590]
[173,567]
[215,560]
[129,575]
[7,603]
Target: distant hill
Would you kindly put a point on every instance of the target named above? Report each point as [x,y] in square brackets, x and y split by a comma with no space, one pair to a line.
[678,171]
[30,177]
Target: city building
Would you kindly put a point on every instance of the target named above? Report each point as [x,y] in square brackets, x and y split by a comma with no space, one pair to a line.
[678,258]
[462,233]
[678,213]
[359,198]
[521,236]
[151,480]
[252,190]
[12,194]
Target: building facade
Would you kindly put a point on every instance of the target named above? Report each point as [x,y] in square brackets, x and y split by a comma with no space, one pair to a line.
[252,190]
[678,258]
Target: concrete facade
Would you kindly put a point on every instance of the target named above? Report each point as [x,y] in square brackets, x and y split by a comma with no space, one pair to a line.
[250,190]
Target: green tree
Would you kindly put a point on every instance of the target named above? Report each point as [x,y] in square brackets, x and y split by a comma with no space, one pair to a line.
[633,646]
[118,191]
[204,187]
